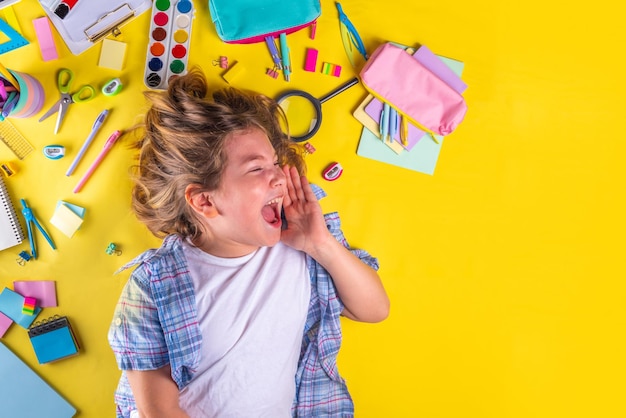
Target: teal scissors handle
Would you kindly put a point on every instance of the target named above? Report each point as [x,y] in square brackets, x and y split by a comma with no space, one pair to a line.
[64,81]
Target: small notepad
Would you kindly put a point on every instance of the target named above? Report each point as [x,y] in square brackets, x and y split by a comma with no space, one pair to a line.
[66,219]
[53,339]
[112,54]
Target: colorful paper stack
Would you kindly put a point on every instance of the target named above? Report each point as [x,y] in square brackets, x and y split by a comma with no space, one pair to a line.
[29,306]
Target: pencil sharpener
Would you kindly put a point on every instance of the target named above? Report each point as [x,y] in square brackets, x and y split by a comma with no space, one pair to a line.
[332,172]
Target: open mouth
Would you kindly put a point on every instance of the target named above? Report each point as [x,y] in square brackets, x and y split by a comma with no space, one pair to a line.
[271,211]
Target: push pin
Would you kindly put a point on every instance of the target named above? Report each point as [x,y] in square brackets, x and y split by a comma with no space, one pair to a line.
[23,258]
[308,148]
[222,62]
[112,249]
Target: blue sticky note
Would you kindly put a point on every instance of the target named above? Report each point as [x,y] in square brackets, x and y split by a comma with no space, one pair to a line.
[11,305]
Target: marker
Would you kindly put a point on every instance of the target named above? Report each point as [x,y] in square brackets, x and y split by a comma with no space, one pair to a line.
[269,40]
[94,130]
[284,50]
[64,8]
[107,147]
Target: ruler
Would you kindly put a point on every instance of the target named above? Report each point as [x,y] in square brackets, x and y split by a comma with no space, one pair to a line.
[15,39]
[14,140]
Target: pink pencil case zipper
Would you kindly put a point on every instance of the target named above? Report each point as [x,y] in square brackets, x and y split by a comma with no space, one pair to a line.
[395,77]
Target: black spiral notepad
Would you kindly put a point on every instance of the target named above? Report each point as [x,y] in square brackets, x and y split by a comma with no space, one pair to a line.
[11,232]
[53,339]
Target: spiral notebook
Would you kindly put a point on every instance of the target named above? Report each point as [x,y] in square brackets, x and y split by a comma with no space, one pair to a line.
[11,232]
[53,339]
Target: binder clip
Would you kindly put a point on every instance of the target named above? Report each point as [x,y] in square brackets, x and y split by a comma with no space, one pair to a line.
[112,249]
[222,62]
[272,72]
[308,148]
[23,257]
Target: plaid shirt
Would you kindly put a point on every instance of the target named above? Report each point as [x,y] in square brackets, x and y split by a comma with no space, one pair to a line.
[155,324]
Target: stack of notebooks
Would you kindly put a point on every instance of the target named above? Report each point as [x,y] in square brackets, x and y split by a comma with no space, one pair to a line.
[421,151]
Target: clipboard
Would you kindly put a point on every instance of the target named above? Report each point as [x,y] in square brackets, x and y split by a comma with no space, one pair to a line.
[89,21]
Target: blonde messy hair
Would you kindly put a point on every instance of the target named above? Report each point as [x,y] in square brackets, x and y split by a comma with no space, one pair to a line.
[183,143]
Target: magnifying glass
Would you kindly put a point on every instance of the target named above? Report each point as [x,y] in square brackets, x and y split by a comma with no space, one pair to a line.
[304,112]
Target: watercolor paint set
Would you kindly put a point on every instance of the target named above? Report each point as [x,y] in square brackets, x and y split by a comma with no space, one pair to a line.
[168,46]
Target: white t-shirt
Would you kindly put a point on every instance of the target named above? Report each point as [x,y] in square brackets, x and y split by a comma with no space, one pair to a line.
[251,312]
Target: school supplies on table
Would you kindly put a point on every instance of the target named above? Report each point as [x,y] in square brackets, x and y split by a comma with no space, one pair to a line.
[170,36]
[89,21]
[92,134]
[11,304]
[31,220]
[24,95]
[84,93]
[250,21]
[11,233]
[24,394]
[423,154]
[107,147]
[15,40]
[53,339]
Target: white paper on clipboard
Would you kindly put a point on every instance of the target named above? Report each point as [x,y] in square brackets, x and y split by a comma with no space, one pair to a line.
[91,20]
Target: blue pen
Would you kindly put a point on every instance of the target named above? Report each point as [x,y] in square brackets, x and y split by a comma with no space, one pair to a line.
[284,50]
[271,45]
[393,123]
[94,130]
[385,119]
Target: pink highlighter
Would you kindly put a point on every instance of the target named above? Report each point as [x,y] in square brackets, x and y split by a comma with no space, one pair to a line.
[107,146]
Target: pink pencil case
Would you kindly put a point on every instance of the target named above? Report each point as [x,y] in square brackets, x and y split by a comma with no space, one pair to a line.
[395,77]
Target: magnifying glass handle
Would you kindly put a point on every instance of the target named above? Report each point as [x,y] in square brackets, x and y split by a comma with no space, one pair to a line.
[339,89]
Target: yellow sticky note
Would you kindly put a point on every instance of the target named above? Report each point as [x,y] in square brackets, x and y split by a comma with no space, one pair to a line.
[112,54]
[66,220]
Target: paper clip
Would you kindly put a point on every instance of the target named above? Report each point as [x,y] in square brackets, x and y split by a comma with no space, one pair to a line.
[112,249]
[222,62]
[272,72]
[308,148]
[23,258]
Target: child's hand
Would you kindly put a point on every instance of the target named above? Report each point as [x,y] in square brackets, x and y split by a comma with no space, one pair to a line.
[306,228]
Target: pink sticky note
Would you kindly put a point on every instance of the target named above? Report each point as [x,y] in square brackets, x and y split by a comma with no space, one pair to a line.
[5,323]
[45,40]
[311,60]
[42,290]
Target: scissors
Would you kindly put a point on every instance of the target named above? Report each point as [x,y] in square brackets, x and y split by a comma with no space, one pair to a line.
[64,82]
[30,219]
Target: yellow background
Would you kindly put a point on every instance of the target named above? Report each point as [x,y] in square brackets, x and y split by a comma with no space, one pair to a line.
[505,268]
